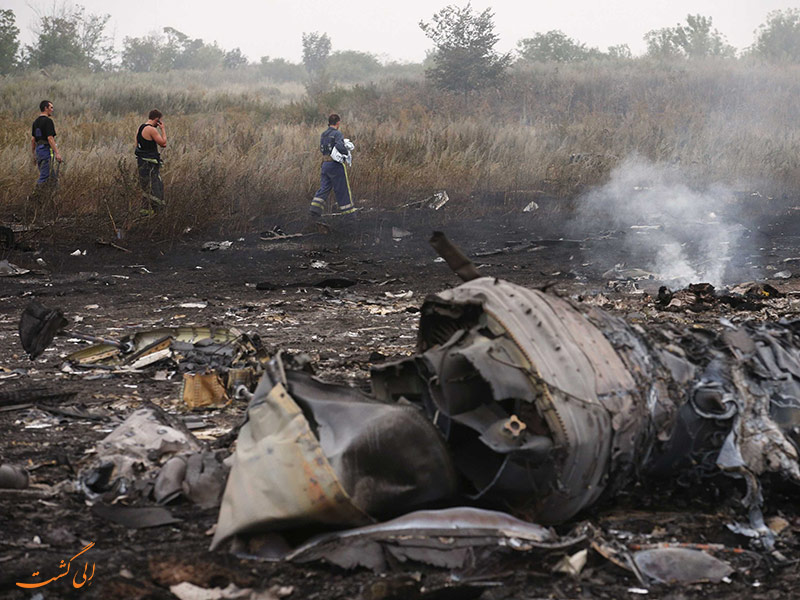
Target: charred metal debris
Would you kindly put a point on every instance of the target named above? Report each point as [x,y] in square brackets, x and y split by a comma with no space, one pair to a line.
[532,404]
[515,400]
[214,361]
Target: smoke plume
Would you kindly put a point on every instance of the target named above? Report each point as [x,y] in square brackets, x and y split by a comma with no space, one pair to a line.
[682,235]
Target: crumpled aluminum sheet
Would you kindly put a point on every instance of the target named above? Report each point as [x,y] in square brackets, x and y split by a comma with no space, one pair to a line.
[150,452]
[280,476]
[317,453]
[228,344]
[447,538]
[681,565]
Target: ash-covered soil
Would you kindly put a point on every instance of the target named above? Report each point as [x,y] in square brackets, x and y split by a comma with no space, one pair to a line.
[50,419]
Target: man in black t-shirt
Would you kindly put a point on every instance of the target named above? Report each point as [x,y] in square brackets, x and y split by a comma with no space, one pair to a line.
[149,137]
[43,144]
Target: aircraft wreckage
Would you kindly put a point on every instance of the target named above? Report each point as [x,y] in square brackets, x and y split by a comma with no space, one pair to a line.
[518,400]
[515,400]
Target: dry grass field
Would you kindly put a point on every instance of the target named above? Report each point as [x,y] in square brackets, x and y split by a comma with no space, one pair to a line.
[242,148]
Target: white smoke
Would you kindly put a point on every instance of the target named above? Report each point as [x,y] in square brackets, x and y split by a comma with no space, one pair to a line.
[672,230]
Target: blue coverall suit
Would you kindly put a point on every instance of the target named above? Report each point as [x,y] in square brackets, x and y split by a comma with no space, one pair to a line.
[333,175]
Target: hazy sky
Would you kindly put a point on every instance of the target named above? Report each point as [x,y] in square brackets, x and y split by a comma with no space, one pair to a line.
[390,29]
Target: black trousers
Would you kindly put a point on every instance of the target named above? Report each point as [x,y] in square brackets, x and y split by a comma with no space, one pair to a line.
[150,181]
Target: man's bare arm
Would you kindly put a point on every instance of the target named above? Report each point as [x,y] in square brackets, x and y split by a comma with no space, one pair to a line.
[52,141]
[158,135]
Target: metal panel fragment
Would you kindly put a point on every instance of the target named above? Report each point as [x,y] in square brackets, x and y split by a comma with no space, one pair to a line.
[280,476]
[448,538]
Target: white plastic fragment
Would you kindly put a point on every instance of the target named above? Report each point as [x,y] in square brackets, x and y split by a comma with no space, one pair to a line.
[531,206]
[8,269]
[211,246]
[151,358]
[189,591]
[438,200]
[398,234]
[572,565]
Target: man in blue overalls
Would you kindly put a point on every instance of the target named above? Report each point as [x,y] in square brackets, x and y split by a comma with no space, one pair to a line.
[43,145]
[335,151]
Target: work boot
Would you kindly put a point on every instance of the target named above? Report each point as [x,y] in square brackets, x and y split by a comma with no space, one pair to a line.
[347,214]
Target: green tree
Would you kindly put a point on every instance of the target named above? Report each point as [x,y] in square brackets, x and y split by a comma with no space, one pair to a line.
[778,39]
[183,52]
[695,39]
[620,52]
[351,65]
[234,59]
[554,46]
[316,51]
[171,49]
[71,37]
[698,39]
[464,58]
[9,43]
[661,44]
[176,50]
[141,54]
[279,69]
[200,56]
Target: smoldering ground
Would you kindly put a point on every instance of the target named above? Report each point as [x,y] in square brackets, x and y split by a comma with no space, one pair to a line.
[680,234]
[343,331]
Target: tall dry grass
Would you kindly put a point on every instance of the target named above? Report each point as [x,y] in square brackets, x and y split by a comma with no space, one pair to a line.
[242,150]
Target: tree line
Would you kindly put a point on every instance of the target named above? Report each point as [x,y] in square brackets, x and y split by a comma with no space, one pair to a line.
[463,57]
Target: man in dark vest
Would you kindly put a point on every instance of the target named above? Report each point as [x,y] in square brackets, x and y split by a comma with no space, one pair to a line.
[43,145]
[335,152]
[150,136]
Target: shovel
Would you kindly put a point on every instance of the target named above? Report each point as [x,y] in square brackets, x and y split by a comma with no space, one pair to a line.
[38,325]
